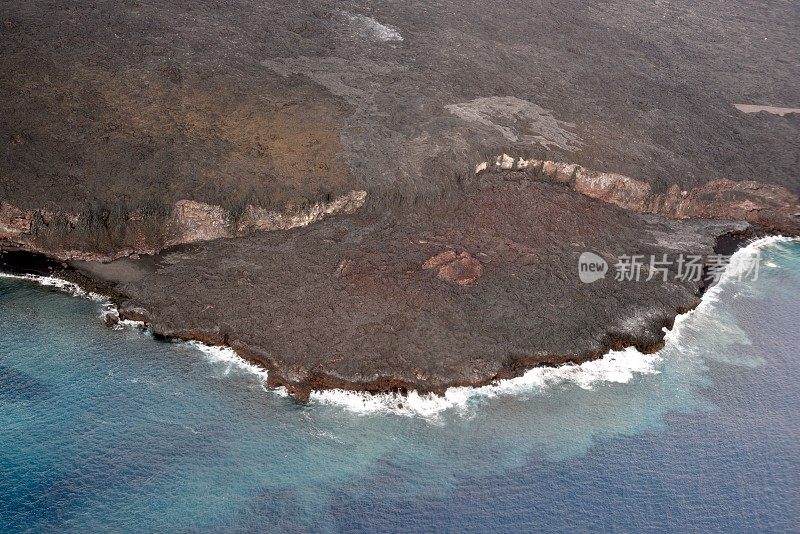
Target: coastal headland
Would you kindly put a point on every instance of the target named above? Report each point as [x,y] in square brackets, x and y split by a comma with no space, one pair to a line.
[393,197]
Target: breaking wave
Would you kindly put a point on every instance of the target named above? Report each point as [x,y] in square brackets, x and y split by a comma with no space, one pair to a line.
[614,367]
[231,360]
[50,281]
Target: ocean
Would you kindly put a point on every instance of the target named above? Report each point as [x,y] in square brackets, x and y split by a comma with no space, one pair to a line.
[110,430]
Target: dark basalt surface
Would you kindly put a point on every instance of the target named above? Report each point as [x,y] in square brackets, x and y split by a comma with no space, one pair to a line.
[141,103]
[349,303]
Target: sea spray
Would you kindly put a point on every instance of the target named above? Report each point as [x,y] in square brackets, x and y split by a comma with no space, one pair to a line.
[214,354]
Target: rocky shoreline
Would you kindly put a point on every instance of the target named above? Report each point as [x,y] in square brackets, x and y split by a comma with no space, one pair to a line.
[23,262]
[33,263]
[460,269]
[463,256]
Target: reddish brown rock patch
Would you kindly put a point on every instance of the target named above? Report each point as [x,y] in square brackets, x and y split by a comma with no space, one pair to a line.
[440,259]
[461,269]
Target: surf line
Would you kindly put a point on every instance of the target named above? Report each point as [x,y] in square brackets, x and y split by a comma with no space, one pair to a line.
[616,366]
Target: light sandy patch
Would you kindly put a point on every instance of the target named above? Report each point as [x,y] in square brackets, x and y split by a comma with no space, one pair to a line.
[518,121]
[752,108]
[369,27]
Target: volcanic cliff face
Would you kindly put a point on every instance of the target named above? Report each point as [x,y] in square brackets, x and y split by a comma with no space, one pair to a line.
[195,221]
[771,206]
[14,222]
[134,233]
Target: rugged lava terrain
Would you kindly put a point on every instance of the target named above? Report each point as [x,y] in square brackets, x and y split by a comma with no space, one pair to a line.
[394,195]
[473,290]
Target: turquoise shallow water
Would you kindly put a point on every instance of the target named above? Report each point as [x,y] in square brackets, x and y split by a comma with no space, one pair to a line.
[106,429]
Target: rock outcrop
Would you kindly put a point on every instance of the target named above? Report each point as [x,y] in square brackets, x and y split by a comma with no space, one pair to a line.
[196,221]
[13,221]
[259,219]
[770,206]
[191,221]
[460,269]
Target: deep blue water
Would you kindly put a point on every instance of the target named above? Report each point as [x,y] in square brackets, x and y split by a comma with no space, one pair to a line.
[106,429]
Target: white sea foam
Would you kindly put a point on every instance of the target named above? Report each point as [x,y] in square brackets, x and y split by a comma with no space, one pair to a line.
[228,357]
[743,266]
[214,354]
[63,285]
[615,367]
[128,323]
[108,310]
